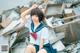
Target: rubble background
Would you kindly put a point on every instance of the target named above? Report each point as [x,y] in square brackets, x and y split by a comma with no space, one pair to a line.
[63,22]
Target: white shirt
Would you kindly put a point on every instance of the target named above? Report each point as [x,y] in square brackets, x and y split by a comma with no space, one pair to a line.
[43,33]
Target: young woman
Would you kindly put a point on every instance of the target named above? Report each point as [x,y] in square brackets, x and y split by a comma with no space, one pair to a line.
[39,33]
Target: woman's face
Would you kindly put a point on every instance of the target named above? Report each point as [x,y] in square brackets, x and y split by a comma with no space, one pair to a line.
[35,18]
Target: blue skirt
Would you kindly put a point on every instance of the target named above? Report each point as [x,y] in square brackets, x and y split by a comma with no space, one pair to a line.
[48,47]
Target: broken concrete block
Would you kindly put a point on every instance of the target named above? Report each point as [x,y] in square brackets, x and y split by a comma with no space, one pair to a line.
[12,39]
[59,46]
[54,10]
[19,48]
[10,27]
[56,38]
[68,12]
[19,36]
[7,19]
[4,44]
[6,22]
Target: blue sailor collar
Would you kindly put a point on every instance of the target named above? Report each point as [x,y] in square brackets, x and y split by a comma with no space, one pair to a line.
[41,25]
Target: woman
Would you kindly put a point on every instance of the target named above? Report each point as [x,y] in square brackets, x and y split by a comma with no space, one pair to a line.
[39,33]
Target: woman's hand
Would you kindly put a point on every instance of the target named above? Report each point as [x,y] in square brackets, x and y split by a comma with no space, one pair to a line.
[41,43]
[34,6]
[40,47]
[28,11]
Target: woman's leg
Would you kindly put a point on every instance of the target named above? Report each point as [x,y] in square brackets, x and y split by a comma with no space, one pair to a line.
[42,51]
[30,49]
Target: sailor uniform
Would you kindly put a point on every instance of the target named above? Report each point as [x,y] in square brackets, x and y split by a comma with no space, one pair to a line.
[36,33]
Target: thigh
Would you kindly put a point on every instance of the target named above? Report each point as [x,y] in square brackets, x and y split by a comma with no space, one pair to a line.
[31,47]
[42,51]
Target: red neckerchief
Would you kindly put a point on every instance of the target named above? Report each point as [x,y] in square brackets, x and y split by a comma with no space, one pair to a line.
[34,35]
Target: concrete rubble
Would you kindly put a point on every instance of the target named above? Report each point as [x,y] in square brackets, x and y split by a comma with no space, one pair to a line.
[63,20]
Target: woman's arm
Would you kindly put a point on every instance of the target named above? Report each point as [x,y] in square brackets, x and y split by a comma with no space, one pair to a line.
[44,37]
[41,43]
[28,11]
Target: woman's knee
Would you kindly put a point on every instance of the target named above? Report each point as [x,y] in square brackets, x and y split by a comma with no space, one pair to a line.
[31,47]
[42,51]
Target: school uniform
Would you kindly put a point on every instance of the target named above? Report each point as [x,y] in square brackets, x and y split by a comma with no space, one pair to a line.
[36,33]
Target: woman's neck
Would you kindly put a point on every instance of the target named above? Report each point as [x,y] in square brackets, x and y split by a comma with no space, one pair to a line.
[36,24]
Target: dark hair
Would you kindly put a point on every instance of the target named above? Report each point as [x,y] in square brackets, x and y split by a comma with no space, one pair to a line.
[38,12]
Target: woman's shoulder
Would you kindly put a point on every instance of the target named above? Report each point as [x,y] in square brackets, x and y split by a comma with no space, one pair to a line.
[45,28]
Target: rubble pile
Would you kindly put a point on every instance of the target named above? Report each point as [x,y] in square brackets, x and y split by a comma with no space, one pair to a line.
[62,18]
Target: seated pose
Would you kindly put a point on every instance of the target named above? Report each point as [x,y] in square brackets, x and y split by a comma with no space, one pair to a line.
[39,33]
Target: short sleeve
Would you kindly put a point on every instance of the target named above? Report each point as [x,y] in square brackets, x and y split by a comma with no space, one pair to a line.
[45,33]
[28,21]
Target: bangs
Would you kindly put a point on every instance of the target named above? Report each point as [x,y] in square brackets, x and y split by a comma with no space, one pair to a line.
[37,12]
